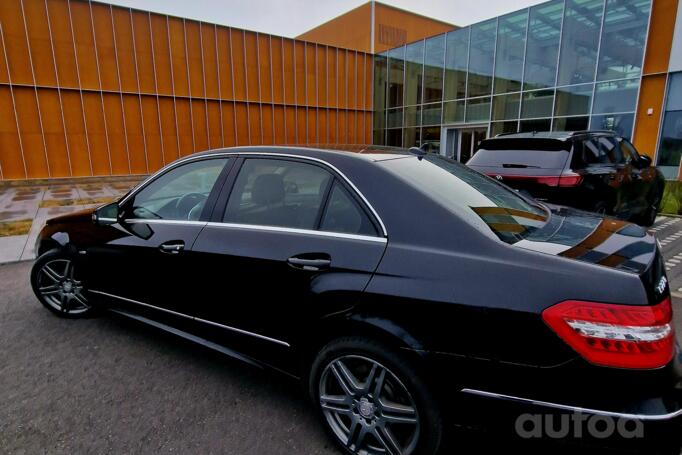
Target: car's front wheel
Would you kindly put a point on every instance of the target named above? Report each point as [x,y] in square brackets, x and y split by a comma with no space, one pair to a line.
[57,284]
[373,401]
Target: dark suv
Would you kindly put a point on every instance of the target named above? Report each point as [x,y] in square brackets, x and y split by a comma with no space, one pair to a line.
[592,170]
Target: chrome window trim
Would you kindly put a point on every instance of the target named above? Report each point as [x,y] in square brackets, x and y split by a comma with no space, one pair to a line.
[177,163]
[159,221]
[258,227]
[576,409]
[193,318]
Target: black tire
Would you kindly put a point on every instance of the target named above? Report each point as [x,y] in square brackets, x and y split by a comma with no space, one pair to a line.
[57,285]
[384,409]
[648,218]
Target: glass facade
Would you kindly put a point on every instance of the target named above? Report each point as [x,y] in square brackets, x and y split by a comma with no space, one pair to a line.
[670,147]
[559,65]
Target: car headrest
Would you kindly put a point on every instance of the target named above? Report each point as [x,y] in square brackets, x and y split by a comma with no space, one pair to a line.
[267,189]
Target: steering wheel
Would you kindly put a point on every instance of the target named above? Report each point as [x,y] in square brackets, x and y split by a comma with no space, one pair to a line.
[187,202]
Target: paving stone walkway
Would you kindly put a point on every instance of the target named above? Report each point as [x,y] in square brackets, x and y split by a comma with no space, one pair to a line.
[24,210]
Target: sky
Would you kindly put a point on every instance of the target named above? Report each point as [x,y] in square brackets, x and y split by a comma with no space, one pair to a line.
[290,18]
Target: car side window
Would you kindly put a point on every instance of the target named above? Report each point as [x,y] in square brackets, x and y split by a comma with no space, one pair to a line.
[611,149]
[343,214]
[179,194]
[275,192]
[601,150]
[629,151]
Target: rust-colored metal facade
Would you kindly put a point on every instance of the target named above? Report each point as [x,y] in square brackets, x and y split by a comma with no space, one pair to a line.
[89,89]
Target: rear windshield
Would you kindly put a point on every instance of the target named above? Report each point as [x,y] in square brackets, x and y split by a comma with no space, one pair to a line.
[478,199]
[522,153]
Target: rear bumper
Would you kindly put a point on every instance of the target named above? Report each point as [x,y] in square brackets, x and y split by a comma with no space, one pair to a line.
[661,413]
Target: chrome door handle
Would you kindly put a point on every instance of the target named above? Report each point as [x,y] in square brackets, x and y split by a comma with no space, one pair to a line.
[310,264]
[172,247]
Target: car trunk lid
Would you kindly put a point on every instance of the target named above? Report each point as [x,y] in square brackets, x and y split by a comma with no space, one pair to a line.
[603,241]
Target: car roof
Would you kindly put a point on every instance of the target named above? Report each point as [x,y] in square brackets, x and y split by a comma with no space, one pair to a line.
[558,135]
[324,152]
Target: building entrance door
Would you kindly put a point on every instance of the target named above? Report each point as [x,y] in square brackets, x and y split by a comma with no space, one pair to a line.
[462,143]
[469,141]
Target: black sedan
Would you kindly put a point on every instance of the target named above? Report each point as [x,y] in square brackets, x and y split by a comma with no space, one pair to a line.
[406,291]
[590,170]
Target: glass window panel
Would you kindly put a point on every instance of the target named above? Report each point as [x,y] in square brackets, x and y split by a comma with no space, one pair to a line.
[431,114]
[504,127]
[670,150]
[394,137]
[579,42]
[621,124]
[277,193]
[478,110]
[412,116]
[414,68]
[506,107]
[411,137]
[537,104]
[481,58]
[431,136]
[511,39]
[543,45]
[575,100]
[618,96]
[623,38]
[395,118]
[159,199]
[396,76]
[380,85]
[674,101]
[456,58]
[542,124]
[571,123]
[378,137]
[343,214]
[453,111]
[434,60]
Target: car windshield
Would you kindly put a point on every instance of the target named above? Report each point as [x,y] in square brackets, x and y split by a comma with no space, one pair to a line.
[478,199]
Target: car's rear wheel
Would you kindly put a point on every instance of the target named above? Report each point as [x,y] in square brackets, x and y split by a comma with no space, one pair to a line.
[57,283]
[373,401]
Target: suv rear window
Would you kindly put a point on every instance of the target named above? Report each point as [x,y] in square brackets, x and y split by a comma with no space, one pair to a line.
[522,153]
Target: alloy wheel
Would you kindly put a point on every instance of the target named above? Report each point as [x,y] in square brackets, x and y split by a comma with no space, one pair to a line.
[60,289]
[367,407]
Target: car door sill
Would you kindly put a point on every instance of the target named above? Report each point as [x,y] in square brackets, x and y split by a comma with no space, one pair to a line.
[202,341]
[204,321]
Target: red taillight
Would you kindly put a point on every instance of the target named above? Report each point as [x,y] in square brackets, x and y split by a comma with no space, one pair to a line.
[565,179]
[621,336]
[570,179]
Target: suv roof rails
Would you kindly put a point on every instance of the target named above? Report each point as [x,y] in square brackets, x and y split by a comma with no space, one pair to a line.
[575,133]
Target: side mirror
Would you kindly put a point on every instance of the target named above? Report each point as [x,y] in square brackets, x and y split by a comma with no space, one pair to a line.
[107,214]
[644,161]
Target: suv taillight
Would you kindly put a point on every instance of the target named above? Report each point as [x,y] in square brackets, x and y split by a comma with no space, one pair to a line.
[621,336]
[570,179]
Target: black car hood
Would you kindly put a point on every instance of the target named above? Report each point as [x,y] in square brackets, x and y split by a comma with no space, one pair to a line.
[589,237]
[74,217]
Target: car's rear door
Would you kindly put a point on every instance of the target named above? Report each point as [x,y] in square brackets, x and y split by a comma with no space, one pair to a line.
[290,240]
[147,265]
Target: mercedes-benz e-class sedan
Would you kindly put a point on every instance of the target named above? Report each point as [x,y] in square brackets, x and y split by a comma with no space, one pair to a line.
[406,290]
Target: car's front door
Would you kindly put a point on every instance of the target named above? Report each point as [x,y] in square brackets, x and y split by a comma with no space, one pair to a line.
[292,242]
[147,264]
[643,179]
